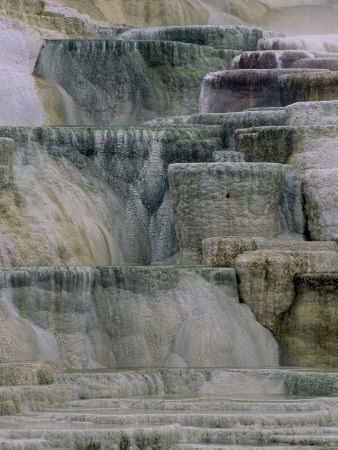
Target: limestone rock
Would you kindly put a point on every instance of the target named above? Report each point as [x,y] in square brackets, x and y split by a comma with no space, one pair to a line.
[222,37]
[265,144]
[137,81]
[313,150]
[315,156]
[271,59]
[317,63]
[314,43]
[81,193]
[312,113]
[113,317]
[307,87]
[222,252]
[227,156]
[236,90]
[26,374]
[309,330]
[223,199]
[266,279]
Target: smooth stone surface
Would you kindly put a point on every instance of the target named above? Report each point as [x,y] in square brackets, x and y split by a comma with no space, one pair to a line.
[266,280]
[236,90]
[309,330]
[223,199]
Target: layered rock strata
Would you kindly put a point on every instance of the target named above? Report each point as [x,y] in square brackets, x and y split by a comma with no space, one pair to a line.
[175,409]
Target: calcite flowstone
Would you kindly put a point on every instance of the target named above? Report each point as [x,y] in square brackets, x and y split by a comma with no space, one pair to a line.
[236,90]
[223,199]
[307,87]
[317,63]
[313,151]
[310,113]
[270,59]
[26,374]
[266,279]
[222,252]
[309,330]
[7,147]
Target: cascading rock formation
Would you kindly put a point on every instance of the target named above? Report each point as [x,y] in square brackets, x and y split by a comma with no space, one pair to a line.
[169,224]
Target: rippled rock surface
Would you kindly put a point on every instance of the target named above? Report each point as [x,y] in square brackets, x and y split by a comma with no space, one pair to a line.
[137,80]
[130,317]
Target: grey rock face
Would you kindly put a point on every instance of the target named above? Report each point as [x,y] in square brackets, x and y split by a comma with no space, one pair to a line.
[222,252]
[236,90]
[317,63]
[230,37]
[136,80]
[318,43]
[310,113]
[130,317]
[26,374]
[313,151]
[230,122]
[307,87]
[309,330]
[266,280]
[271,59]
[223,199]
[265,144]
[112,204]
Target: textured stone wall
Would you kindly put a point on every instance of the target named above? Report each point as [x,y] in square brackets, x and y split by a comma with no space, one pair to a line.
[309,331]
[129,317]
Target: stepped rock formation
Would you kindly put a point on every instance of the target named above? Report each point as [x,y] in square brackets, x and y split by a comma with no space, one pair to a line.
[169,224]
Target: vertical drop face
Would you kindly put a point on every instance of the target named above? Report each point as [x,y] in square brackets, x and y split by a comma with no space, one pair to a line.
[223,199]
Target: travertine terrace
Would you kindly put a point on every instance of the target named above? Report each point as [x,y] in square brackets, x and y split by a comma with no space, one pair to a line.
[169,224]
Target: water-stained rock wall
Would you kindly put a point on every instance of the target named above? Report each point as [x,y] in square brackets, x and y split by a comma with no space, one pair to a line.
[109,82]
[130,317]
[96,196]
